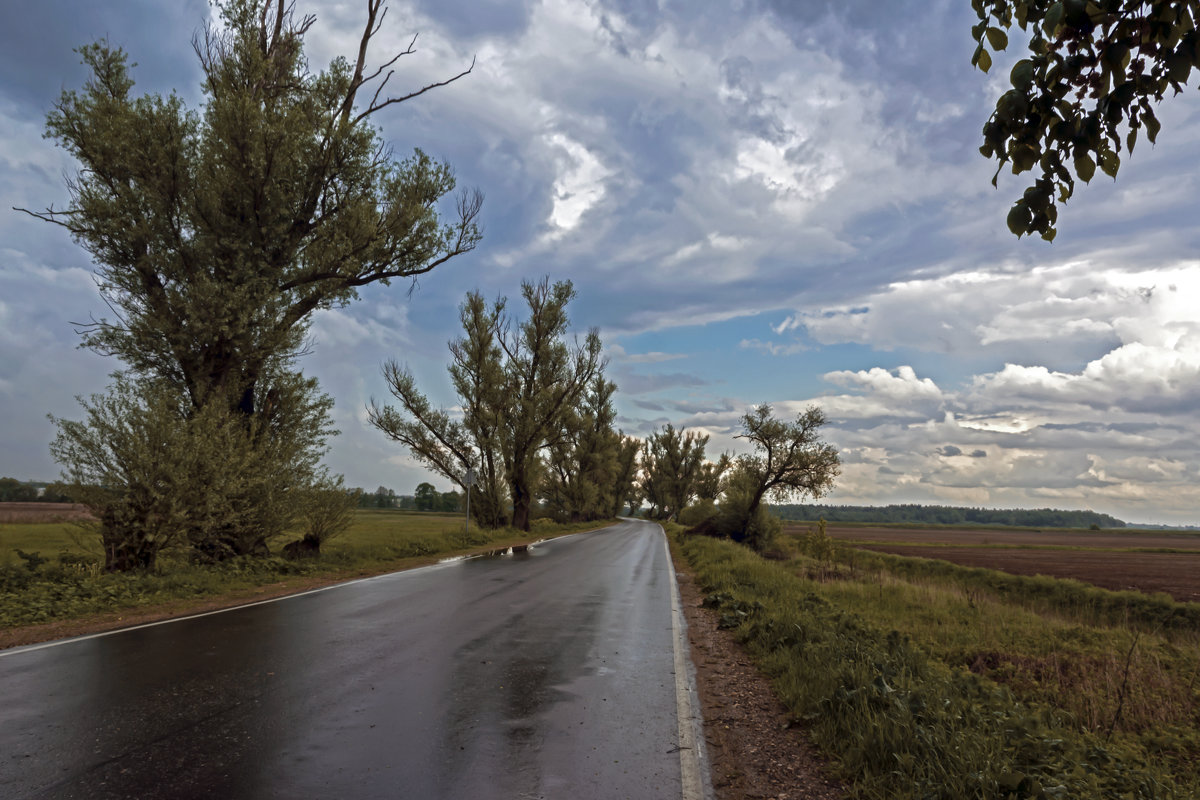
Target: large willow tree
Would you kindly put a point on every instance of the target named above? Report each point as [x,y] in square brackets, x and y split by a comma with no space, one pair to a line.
[217,233]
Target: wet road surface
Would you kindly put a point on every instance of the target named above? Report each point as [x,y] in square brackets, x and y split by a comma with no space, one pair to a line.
[540,675]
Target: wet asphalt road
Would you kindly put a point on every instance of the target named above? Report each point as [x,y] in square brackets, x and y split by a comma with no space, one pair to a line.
[539,675]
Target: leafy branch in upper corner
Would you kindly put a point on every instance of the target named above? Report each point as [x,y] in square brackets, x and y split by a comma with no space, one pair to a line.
[1094,72]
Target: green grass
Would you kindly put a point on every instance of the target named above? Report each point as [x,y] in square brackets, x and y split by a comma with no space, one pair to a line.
[48,539]
[372,530]
[69,584]
[878,666]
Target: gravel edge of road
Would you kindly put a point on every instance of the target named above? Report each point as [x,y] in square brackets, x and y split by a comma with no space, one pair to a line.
[695,770]
[755,748]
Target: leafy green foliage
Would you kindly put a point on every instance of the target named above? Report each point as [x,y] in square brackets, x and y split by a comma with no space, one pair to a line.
[587,468]
[217,234]
[425,496]
[326,510]
[788,459]
[1094,73]
[518,387]
[742,516]
[13,490]
[672,469]
[159,475]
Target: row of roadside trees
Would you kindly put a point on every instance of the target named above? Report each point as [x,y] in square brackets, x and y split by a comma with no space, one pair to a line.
[536,433]
[218,233]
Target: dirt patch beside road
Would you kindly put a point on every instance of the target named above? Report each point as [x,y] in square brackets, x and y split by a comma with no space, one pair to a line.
[754,749]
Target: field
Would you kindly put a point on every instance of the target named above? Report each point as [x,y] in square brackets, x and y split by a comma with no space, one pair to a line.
[1136,560]
[49,528]
[40,512]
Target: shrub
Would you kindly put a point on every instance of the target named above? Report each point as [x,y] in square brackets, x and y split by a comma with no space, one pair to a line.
[697,513]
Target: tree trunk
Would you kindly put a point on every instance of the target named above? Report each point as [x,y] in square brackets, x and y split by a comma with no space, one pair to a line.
[308,547]
[522,500]
[125,549]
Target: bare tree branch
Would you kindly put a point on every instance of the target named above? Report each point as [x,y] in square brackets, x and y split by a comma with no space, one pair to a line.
[371,109]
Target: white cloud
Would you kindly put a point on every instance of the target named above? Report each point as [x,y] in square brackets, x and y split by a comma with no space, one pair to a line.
[774,348]
[882,394]
[904,438]
[579,185]
[381,326]
[618,354]
[1135,377]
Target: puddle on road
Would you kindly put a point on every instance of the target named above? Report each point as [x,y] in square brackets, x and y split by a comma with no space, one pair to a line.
[521,549]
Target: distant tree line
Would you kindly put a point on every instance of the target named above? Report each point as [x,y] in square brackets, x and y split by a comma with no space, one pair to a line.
[949,515]
[16,491]
[426,497]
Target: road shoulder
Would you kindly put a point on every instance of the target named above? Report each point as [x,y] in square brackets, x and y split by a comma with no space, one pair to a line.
[754,749]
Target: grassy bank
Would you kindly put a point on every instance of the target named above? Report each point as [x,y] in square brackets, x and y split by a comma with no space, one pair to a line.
[60,575]
[1073,599]
[927,688]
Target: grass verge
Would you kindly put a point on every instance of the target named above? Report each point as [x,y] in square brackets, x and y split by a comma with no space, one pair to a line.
[904,722]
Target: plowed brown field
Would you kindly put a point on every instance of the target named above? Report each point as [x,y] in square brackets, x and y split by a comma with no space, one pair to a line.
[1102,558]
[41,512]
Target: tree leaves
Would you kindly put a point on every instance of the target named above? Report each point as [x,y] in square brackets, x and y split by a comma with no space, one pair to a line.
[1021,75]
[982,59]
[1152,124]
[517,387]
[1085,168]
[1053,18]
[1093,74]
[1110,162]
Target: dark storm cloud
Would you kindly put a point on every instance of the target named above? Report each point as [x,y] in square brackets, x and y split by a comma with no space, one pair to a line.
[36,44]
[471,19]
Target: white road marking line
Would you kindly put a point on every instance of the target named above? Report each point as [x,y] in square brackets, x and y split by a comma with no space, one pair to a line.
[693,762]
[29,648]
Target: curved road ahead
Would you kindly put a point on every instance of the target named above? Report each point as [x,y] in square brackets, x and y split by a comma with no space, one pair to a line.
[549,674]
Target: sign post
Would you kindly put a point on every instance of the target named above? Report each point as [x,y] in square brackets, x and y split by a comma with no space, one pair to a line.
[469,480]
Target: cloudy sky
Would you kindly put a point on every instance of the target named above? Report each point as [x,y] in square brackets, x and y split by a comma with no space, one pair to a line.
[758,201]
